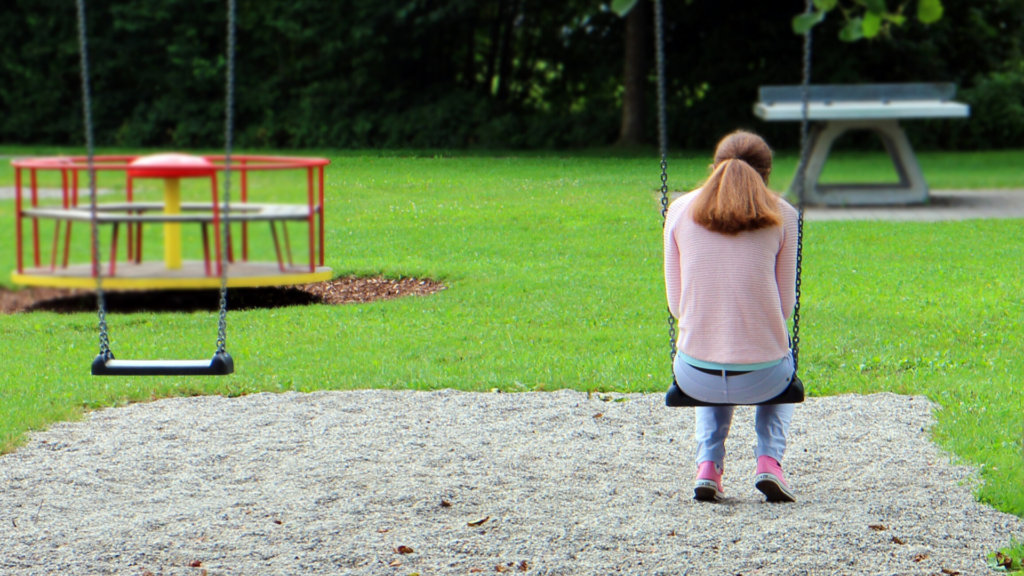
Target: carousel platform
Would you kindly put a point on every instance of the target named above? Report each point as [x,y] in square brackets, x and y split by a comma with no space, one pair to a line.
[155,276]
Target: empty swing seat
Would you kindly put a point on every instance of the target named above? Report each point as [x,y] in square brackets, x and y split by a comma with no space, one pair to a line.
[793,394]
[219,365]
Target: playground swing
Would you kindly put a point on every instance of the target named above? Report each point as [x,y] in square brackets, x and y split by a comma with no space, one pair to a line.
[794,393]
[105,364]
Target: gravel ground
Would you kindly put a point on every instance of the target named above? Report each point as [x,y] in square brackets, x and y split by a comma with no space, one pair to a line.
[399,482]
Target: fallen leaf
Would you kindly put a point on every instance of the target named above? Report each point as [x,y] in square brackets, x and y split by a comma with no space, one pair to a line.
[896,540]
[479,522]
[523,566]
[415,574]
[920,556]
[404,550]
[278,522]
[950,572]
[502,568]
[496,390]
[1003,560]
[604,397]
[195,563]
[672,533]
[598,415]
[445,503]
[382,530]
[395,563]
[475,570]
[877,527]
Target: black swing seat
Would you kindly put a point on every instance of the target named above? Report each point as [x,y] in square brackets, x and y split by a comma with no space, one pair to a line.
[219,365]
[793,394]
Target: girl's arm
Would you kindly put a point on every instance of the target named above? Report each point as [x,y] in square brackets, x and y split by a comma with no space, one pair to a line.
[785,261]
[673,282]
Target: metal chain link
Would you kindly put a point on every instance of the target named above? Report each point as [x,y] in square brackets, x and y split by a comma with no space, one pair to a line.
[659,45]
[101,302]
[796,306]
[222,324]
[801,182]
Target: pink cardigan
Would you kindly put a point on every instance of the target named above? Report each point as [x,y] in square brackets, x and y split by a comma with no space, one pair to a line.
[731,295]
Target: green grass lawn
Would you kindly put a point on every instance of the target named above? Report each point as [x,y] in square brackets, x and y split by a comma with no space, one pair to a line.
[553,264]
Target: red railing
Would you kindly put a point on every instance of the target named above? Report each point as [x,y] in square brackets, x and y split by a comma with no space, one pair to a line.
[241,164]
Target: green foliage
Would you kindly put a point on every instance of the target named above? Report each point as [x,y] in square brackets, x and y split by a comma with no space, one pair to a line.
[872,24]
[929,11]
[997,114]
[875,6]
[454,74]
[622,7]
[388,73]
[853,31]
[866,18]
[997,106]
[804,22]
[1010,559]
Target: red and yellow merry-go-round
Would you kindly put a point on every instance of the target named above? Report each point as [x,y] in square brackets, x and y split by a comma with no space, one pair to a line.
[125,268]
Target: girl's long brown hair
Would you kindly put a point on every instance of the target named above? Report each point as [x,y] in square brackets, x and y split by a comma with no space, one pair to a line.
[736,197]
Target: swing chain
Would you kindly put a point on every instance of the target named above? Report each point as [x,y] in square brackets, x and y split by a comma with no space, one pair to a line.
[659,44]
[801,172]
[222,323]
[664,191]
[796,306]
[659,50]
[104,338]
[101,303]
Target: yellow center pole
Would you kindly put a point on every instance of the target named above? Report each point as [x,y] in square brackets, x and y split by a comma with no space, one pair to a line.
[172,230]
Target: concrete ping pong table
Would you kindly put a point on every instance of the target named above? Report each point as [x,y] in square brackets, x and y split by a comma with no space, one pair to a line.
[836,109]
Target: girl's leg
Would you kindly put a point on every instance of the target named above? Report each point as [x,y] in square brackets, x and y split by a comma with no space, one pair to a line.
[712,428]
[772,426]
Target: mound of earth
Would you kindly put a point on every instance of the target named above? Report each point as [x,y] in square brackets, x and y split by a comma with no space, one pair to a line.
[338,291]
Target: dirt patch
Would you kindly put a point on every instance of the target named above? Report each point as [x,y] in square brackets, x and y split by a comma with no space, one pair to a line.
[340,291]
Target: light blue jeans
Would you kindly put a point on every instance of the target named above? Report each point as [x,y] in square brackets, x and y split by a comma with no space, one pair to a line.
[712,424]
[712,428]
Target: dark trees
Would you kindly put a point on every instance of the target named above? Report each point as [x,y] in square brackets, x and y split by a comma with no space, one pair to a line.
[456,73]
[638,45]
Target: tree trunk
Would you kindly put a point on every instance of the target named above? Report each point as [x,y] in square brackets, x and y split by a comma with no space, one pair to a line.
[494,53]
[505,68]
[638,25]
[469,64]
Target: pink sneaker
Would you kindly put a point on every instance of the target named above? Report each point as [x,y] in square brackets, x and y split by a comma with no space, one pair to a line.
[708,486]
[770,482]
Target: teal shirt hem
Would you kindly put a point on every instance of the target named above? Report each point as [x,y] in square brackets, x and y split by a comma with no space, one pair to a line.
[716,366]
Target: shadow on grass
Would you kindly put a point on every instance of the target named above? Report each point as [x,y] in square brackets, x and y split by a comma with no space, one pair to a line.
[178,301]
[338,291]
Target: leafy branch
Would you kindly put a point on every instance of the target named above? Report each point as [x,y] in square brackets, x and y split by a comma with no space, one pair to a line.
[866,18]
[622,7]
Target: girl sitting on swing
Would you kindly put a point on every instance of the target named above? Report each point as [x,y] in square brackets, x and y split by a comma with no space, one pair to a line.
[730,273]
